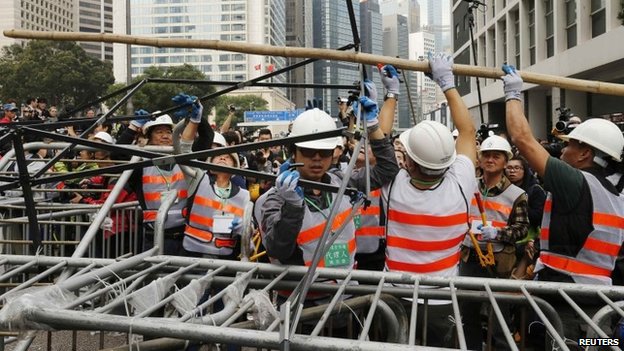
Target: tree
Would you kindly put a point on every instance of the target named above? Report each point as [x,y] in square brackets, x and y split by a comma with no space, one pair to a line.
[157,96]
[62,72]
[621,13]
[242,103]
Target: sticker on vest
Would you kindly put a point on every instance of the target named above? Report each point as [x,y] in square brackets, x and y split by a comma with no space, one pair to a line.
[222,223]
[337,255]
[357,221]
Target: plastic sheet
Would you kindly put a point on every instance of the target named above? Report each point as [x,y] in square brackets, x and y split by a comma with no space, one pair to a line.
[263,312]
[18,304]
[188,297]
[151,294]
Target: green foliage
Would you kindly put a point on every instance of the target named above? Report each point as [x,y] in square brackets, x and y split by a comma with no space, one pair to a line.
[621,13]
[242,103]
[62,72]
[157,96]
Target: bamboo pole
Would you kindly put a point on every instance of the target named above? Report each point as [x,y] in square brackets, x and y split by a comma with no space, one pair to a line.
[323,54]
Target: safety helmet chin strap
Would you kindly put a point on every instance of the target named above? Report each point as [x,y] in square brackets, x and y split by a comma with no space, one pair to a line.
[600,158]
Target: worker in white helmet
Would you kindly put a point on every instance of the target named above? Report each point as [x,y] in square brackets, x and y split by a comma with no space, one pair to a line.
[217,207]
[292,218]
[150,182]
[427,204]
[581,232]
[507,213]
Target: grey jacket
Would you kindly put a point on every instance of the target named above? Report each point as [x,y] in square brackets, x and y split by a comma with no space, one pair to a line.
[280,222]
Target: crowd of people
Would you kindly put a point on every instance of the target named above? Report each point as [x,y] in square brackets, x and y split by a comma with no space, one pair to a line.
[441,202]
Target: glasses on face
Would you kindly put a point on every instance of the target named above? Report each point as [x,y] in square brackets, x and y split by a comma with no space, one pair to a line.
[309,153]
[514,168]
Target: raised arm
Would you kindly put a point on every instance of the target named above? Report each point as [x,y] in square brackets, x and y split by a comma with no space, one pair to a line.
[442,73]
[517,124]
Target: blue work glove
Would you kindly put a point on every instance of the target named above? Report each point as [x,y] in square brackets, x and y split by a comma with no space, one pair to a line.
[512,83]
[441,70]
[284,167]
[370,89]
[140,122]
[287,189]
[236,225]
[488,233]
[370,111]
[390,79]
[192,107]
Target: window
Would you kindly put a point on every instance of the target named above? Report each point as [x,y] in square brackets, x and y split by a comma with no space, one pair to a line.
[550,32]
[531,32]
[598,17]
[570,8]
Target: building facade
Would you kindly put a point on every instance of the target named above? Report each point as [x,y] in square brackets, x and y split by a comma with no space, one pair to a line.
[332,30]
[299,33]
[244,21]
[572,38]
[45,15]
[96,16]
[421,43]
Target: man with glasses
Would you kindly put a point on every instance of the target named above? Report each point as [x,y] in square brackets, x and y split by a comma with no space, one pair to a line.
[506,211]
[292,218]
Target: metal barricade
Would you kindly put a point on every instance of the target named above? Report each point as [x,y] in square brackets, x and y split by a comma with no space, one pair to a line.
[162,297]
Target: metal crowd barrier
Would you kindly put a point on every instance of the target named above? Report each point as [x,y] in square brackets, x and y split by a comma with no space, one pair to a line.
[162,298]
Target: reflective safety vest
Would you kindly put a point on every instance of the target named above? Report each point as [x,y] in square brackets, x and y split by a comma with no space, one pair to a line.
[497,210]
[207,204]
[425,228]
[595,261]
[156,181]
[368,232]
[342,252]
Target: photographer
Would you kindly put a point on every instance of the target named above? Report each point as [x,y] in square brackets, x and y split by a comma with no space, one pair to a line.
[228,120]
[564,126]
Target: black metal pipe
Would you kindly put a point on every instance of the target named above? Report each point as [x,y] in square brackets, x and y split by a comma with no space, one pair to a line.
[258,84]
[187,159]
[31,212]
[103,98]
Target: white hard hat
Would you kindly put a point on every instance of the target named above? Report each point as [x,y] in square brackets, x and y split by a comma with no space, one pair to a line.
[105,137]
[164,120]
[430,144]
[219,139]
[233,156]
[496,143]
[600,134]
[315,121]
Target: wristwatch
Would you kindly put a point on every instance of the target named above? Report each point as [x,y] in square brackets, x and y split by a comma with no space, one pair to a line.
[391,96]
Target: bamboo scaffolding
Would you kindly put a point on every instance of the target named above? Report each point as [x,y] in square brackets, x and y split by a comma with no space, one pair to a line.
[323,54]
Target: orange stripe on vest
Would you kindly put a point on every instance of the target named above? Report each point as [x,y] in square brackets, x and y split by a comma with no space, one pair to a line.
[205,221]
[427,220]
[608,220]
[436,266]
[494,206]
[315,232]
[370,231]
[602,247]
[217,205]
[573,266]
[419,245]
[198,233]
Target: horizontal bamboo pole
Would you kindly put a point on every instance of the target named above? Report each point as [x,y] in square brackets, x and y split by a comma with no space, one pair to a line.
[323,54]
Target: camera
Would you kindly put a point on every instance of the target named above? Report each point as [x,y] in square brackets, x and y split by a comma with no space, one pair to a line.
[231,108]
[485,130]
[341,100]
[564,116]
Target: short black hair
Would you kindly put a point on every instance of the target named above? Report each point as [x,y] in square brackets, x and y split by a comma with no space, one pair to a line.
[265,131]
[231,137]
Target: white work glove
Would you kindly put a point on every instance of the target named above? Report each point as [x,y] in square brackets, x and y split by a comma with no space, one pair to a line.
[287,189]
[512,83]
[488,233]
[390,79]
[441,71]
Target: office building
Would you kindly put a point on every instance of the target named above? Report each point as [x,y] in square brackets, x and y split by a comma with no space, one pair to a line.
[575,38]
[299,33]
[96,16]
